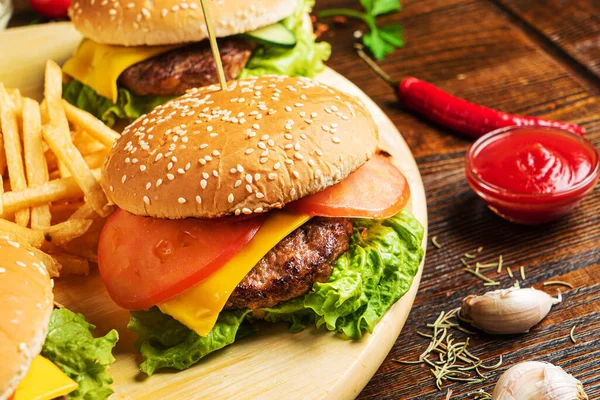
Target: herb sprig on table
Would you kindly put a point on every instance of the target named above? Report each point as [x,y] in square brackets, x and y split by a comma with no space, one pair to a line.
[380,40]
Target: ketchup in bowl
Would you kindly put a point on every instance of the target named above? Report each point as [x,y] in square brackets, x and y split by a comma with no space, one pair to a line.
[532,174]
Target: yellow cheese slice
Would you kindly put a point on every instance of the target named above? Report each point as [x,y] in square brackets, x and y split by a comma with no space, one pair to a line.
[198,307]
[44,381]
[100,65]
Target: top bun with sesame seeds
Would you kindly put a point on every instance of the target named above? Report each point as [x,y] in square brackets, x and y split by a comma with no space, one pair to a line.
[160,22]
[260,144]
[27,303]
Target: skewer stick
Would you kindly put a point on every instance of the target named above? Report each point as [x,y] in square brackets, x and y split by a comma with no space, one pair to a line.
[213,45]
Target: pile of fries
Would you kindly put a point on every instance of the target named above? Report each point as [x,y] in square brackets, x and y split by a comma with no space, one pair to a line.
[50,158]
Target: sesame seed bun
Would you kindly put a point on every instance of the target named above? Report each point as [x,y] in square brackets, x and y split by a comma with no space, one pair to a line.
[27,302]
[259,145]
[137,23]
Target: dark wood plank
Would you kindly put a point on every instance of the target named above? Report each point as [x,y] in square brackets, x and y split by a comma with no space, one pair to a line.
[474,50]
[571,25]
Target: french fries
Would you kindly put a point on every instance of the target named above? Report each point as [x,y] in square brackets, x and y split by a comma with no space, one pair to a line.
[35,163]
[61,234]
[93,126]
[52,152]
[72,265]
[12,147]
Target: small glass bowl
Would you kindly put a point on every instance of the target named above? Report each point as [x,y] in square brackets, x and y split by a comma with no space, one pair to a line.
[528,208]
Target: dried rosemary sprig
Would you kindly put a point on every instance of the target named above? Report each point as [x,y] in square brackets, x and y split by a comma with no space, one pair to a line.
[562,283]
[481,395]
[435,242]
[449,359]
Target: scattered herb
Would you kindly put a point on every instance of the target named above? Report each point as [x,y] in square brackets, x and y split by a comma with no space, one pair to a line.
[562,283]
[449,359]
[509,272]
[480,249]
[435,242]
[500,259]
[482,277]
[465,263]
[481,395]
[381,40]
[469,255]
[491,284]
[522,269]
[572,335]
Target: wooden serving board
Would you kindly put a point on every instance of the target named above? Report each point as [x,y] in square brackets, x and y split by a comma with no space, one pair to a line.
[271,365]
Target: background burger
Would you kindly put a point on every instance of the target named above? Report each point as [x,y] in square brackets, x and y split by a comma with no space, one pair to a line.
[46,352]
[267,200]
[137,55]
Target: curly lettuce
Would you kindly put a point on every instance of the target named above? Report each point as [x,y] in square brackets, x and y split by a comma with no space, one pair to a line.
[304,59]
[71,346]
[166,343]
[378,269]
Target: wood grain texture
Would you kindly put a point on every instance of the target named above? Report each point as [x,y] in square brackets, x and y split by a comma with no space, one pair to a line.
[571,25]
[474,50]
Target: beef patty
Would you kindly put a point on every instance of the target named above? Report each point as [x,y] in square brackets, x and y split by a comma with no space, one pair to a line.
[177,70]
[291,268]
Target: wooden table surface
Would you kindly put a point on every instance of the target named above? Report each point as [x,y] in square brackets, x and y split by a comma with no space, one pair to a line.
[538,57]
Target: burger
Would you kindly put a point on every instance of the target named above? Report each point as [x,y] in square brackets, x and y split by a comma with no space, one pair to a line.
[46,352]
[138,54]
[265,201]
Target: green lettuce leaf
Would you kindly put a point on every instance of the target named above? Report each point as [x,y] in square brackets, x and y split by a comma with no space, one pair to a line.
[71,346]
[304,59]
[129,106]
[166,343]
[377,270]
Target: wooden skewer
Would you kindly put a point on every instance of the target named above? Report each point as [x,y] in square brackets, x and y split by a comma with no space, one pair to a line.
[213,45]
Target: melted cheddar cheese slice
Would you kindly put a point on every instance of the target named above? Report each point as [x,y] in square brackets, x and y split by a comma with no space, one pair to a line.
[44,381]
[198,307]
[100,65]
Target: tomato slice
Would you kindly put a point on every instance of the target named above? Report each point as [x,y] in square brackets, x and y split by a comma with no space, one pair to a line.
[376,190]
[144,261]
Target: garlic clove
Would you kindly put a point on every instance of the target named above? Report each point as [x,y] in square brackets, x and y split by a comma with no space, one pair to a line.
[507,311]
[535,380]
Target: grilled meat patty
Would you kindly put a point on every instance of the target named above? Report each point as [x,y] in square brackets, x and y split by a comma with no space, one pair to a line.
[177,70]
[290,269]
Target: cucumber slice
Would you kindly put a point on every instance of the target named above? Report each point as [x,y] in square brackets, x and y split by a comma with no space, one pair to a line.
[274,34]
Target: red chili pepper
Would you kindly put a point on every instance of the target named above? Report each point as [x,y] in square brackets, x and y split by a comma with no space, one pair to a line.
[455,113]
[463,116]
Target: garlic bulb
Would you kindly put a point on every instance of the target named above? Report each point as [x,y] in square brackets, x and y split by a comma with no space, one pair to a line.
[534,380]
[507,311]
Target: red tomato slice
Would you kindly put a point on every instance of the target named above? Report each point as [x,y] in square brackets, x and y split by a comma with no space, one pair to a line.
[144,261]
[376,190]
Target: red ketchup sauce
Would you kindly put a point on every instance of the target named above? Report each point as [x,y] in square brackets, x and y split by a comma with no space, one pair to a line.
[532,174]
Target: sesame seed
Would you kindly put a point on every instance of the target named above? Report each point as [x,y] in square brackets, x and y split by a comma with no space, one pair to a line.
[256,177]
[169,166]
[238,211]
[246,210]
[2,270]
[288,108]
[249,151]
[159,182]
[237,183]
[297,146]
[277,165]
[293,192]
[296,174]
[258,209]
[272,176]
[142,167]
[230,198]
[288,146]
[146,200]
[188,166]
[240,168]
[336,139]
[21,264]
[170,177]
[215,172]
[181,200]
[263,160]
[198,199]
[205,175]
[148,185]
[158,157]
[249,178]
[203,146]
[180,171]
[216,153]
[203,183]
[202,161]
[298,156]
[123,178]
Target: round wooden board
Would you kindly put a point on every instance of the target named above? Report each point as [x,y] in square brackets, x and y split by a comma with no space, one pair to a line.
[271,365]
